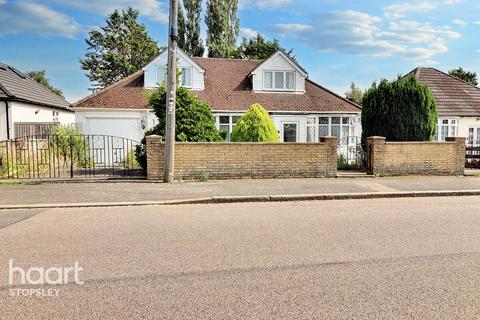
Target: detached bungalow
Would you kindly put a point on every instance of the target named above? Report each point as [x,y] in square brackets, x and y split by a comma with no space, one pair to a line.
[302,110]
[27,108]
[458,105]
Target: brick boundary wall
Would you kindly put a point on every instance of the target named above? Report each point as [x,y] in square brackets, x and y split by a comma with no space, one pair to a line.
[244,160]
[416,158]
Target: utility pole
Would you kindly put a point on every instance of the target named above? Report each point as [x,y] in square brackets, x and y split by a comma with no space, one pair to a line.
[171,92]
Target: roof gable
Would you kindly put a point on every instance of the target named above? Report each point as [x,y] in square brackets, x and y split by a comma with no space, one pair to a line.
[180,52]
[286,57]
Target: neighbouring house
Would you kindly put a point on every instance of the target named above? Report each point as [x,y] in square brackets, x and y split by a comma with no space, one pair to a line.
[458,105]
[302,110]
[27,108]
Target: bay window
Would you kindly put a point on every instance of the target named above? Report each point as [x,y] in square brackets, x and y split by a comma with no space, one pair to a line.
[338,126]
[279,80]
[446,128]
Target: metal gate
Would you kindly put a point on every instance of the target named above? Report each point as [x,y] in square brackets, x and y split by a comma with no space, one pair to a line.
[351,154]
[58,156]
[472,158]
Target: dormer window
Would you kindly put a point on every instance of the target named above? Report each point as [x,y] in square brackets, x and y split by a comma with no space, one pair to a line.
[279,80]
[185,76]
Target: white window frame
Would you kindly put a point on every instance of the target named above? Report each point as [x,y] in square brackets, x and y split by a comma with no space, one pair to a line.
[157,67]
[191,77]
[284,74]
[296,123]
[230,123]
[350,125]
[451,123]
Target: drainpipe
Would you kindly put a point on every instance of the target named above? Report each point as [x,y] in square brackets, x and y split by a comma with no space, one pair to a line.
[8,120]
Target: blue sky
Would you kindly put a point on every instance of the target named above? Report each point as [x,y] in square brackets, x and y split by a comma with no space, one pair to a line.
[336,41]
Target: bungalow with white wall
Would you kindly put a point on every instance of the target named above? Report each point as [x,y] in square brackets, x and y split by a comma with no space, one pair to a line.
[302,110]
[458,105]
[27,108]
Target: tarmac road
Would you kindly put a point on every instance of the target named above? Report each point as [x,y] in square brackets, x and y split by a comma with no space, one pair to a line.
[357,259]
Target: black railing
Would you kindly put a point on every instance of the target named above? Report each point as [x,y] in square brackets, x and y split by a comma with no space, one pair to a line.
[351,153]
[58,156]
[472,159]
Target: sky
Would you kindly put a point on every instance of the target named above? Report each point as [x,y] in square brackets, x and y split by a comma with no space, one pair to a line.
[336,41]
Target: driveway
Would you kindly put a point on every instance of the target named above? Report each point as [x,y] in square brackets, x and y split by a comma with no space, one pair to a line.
[362,259]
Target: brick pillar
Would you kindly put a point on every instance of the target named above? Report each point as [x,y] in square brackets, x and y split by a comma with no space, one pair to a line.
[374,148]
[331,165]
[155,157]
[459,155]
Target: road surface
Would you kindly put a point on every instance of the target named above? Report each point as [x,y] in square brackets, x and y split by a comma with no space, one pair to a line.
[362,259]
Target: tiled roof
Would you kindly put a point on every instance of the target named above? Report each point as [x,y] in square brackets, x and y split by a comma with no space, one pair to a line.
[227,88]
[454,97]
[14,85]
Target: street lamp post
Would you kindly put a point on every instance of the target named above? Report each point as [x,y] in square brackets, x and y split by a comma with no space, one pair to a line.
[171,92]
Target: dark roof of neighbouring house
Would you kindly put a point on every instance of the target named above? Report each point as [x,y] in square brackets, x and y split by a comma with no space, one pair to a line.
[227,88]
[454,97]
[16,86]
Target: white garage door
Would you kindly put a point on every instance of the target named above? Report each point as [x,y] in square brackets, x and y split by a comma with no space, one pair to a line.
[125,127]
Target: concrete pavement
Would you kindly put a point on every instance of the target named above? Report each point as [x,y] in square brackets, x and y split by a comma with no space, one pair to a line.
[362,259]
[95,193]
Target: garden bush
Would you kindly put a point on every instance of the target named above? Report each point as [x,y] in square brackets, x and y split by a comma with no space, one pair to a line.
[255,126]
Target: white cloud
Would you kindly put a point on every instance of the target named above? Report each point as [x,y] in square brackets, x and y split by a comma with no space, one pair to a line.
[35,18]
[398,10]
[356,32]
[477,22]
[248,33]
[153,9]
[459,22]
[264,4]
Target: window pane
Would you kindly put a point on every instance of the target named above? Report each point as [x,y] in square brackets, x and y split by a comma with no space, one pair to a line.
[345,120]
[278,80]
[470,135]
[345,131]
[323,120]
[226,128]
[445,121]
[336,130]
[186,77]
[224,119]
[311,120]
[444,132]
[268,80]
[290,80]
[310,134]
[289,132]
[478,136]
[335,120]
[452,131]
[235,119]
[161,75]
[322,131]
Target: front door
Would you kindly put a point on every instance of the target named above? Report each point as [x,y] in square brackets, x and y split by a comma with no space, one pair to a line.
[290,131]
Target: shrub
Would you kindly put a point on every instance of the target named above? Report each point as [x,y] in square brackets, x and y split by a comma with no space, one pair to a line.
[255,126]
[194,121]
[402,110]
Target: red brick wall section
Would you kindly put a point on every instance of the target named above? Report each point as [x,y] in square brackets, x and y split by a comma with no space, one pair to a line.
[245,160]
[416,158]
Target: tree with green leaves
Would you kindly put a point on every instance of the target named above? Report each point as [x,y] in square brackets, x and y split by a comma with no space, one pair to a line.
[255,126]
[120,48]
[354,94]
[181,41]
[41,77]
[223,27]
[193,44]
[401,110]
[257,48]
[194,121]
[467,76]
[193,118]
